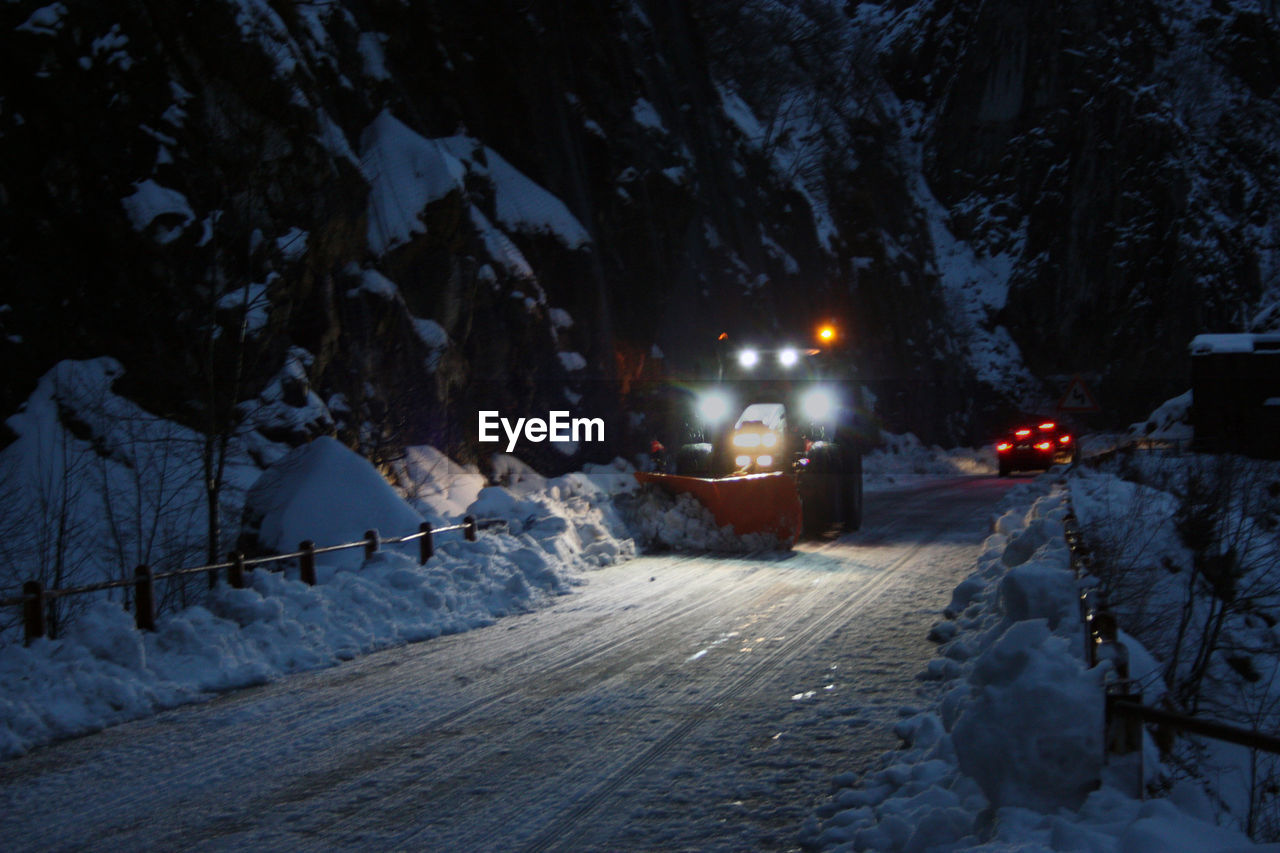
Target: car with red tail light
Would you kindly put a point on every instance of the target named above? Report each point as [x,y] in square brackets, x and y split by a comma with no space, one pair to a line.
[1035,445]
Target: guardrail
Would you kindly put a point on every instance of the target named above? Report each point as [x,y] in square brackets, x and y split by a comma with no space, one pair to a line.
[1125,712]
[35,599]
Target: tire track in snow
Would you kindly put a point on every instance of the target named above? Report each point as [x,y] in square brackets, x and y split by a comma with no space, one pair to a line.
[309,706]
[343,766]
[353,756]
[564,831]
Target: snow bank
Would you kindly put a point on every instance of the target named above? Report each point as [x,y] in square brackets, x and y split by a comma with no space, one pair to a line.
[904,458]
[437,487]
[1030,733]
[327,493]
[103,671]
[1009,754]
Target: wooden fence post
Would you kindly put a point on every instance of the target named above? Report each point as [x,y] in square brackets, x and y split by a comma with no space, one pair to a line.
[144,599]
[235,573]
[470,531]
[213,578]
[426,546]
[371,543]
[34,616]
[307,562]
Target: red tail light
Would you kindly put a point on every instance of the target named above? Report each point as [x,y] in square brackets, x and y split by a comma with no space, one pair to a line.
[1047,425]
[1023,433]
[1044,445]
[1003,446]
[1064,439]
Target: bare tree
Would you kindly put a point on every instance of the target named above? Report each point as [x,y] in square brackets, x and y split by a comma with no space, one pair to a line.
[44,532]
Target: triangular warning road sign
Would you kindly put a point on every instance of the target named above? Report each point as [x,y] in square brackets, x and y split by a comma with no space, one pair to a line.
[1078,398]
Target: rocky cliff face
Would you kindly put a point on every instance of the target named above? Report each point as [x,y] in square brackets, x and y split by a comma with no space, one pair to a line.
[1124,155]
[373,218]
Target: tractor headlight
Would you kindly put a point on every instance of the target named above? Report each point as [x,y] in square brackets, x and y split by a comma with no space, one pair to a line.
[714,406]
[788,357]
[819,404]
[748,358]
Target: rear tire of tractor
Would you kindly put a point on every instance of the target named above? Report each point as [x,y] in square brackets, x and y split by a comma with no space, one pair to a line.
[819,495]
[816,503]
[1004,470]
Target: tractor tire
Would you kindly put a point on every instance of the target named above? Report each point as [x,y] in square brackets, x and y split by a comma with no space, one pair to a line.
[819,494]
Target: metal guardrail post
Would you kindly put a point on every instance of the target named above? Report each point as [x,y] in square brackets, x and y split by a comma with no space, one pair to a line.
[470,532]
[34,615]
[371,543]
[235,573]
[144,599]
[426,545]
[307,562]
[1123,731]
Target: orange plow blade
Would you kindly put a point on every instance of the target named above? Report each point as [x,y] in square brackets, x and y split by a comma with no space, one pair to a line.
[752,503]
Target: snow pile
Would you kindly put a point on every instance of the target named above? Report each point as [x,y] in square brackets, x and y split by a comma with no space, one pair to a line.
[437,487]
[682,523]
[900,458]
[1009,756]
[103,671]
[327,493]
[1187,547]
[1030,732]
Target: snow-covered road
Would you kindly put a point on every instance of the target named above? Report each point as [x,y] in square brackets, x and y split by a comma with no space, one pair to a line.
[675,702]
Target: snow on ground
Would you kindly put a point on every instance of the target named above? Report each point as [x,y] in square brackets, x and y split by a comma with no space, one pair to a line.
[102,671]
[1189,552]
[1002,756]
[903,459]
[94,484]
[1007,752]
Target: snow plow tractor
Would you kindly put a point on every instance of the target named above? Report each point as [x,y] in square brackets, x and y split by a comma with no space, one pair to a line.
[772,445]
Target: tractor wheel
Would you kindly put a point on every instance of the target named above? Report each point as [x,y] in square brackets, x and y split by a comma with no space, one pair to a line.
[819,494]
